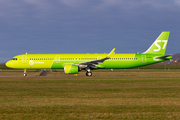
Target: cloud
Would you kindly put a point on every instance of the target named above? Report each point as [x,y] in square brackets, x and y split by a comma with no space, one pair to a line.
[40,4]
[73,3]
[127,5]
[177,2]
[36,2]
[47,7]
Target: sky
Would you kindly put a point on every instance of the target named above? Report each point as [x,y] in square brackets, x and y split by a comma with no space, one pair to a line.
[86,26]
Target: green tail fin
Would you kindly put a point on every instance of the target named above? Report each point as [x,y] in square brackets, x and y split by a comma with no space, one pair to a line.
[159,45]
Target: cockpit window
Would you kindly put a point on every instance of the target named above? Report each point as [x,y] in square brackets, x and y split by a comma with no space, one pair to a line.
[14,59]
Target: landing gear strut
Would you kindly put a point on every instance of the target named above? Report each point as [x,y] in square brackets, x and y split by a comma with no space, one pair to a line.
[25,74]
[88,73]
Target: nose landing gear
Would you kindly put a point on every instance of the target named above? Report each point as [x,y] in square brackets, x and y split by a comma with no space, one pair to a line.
[25,73]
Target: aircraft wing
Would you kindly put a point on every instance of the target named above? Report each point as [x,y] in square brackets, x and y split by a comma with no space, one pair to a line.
[94,64]
[164,57]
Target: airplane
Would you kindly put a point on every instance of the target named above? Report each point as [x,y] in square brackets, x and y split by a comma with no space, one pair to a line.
[74,63]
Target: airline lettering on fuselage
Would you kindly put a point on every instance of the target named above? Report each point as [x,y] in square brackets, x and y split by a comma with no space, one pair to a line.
[39,62]
[159,47]
[31,62]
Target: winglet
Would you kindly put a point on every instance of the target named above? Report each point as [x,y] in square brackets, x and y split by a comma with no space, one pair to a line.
[112,51]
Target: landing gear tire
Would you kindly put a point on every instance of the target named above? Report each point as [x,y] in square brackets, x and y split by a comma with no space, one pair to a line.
[25,73]
[88,73]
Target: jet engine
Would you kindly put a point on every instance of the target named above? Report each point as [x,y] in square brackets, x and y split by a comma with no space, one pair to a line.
[71,69]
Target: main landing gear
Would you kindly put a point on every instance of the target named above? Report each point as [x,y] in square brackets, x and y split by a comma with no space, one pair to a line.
[88,73]
[25,73]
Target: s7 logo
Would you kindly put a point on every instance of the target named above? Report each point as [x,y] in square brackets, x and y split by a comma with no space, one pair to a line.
[159,47]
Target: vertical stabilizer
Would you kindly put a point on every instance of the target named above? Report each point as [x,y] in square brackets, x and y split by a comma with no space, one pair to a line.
[159,45]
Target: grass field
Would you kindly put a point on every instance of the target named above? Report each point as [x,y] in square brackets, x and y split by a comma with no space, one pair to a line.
[121,94]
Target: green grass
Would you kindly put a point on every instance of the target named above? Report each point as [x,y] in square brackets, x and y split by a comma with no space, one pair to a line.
[2,66]
[133,94]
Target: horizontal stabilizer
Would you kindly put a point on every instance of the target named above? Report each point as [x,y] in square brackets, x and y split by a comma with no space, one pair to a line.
[165,57]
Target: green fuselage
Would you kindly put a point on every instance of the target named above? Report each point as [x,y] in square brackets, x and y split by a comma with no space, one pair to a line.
[57,61]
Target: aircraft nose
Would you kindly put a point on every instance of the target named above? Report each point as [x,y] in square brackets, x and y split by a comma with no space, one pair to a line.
[8,64]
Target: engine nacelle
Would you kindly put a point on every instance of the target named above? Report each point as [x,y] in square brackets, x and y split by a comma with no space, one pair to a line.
[71,69]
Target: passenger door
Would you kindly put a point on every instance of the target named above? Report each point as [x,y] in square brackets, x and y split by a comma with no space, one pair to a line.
[143,58]
[24,59]
[57,59]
